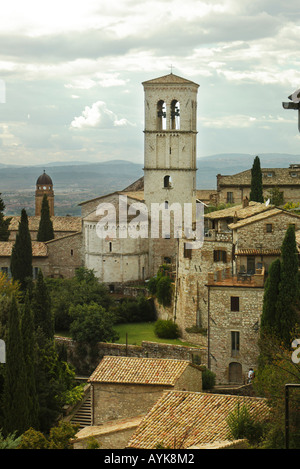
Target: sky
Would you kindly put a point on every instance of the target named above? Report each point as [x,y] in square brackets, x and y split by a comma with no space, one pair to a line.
[71,75]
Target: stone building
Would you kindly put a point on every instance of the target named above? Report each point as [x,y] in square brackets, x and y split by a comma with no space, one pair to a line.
[169,179]
[127,387]
[219,288]
[234,312]
[233,188]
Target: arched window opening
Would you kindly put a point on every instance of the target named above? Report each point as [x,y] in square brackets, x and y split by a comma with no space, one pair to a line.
[175,115]
[110,247]
[166,204]
[161,115]
[167,181]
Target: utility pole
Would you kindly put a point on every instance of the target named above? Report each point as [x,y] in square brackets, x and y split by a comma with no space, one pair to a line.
[294,104]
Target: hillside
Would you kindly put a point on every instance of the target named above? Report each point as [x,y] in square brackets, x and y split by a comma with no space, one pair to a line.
[79,181]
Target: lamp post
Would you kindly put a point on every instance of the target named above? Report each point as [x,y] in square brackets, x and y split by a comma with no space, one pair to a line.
[294,104]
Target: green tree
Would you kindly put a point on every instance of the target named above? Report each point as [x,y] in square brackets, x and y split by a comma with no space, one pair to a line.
[287,303]
[4,223]
[256,191]
[16,403]
[92,324]
[45,231]
[21,257]
[41,306]
[268,317]
[30,361]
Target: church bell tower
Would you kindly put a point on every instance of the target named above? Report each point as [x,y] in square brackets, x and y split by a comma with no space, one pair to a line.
[44,185]
[169,149]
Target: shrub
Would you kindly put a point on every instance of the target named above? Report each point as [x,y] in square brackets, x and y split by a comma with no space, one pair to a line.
[164,291]
[243,425]
[166,329]
[208,379]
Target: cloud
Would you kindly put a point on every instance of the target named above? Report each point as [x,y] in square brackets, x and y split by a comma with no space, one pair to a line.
[98,115]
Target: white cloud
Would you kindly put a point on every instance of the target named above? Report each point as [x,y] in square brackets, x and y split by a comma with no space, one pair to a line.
[98,115]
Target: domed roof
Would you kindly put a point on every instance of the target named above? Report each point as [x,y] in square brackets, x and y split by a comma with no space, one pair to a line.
[44,179]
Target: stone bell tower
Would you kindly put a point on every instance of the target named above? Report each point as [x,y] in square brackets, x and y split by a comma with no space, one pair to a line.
[44,185]
[169,150]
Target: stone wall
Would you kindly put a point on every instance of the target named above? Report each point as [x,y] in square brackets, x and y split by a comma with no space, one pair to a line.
[223,322]
[190,304]
[85,364]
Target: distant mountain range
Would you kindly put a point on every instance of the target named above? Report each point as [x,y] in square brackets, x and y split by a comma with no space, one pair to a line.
[84,180]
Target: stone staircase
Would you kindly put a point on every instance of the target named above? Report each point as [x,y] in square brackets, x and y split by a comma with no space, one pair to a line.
[83,415]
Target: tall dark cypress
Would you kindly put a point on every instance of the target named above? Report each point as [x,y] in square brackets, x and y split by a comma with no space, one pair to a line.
[15,393]
[287,305]
[21,257]
[41,307]
[45,231]
[30,359]
[256,191]
[268,317]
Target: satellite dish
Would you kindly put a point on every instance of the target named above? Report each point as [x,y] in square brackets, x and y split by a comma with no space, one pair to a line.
[267,203]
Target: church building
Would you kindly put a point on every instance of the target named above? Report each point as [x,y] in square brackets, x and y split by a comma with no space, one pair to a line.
[170,105]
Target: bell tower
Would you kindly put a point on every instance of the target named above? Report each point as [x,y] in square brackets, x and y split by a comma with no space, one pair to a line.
[44,185]
[169,149]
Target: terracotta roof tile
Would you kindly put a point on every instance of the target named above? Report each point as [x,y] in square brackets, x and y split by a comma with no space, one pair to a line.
[239,211]
[59,223]
[138,370]
[169,79]
[38,249]
[182,419]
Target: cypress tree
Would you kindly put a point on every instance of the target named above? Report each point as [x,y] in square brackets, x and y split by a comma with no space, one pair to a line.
[287,303]
[30,359]
[15,393]
[4,223]
[41,307]
[45,231]
[268,317]
[256,191]
[21,257]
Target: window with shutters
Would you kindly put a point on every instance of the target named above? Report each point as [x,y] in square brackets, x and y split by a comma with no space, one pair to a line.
[220,255]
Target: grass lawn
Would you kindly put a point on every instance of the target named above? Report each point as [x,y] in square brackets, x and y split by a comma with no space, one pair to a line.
[139,331]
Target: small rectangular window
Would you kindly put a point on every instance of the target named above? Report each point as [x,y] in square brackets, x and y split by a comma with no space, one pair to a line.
[230,197]
[187,253]
[234,303]
[269,227]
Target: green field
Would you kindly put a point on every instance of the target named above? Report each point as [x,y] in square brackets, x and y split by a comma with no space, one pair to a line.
[137,332]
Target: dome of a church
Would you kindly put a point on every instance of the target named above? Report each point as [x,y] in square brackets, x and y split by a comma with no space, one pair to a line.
[44,179]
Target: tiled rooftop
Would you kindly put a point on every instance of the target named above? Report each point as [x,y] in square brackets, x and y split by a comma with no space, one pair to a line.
[182,419]
[59,223]
[261,216]
[286,176]
[135,370]
[239,211]
[38,249]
